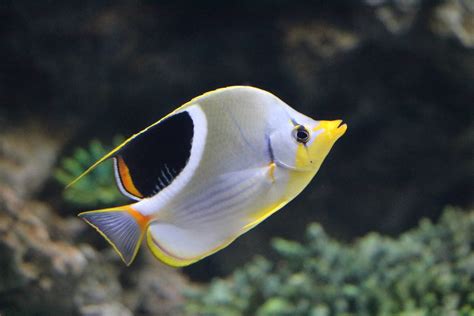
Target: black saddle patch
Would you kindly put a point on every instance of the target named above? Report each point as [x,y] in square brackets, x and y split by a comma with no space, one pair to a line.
[154,158]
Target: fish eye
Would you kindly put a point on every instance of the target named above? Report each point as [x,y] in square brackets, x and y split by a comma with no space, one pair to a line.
[301,134]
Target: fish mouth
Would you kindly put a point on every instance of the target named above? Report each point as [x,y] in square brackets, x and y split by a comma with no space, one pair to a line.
[341,128]
[333,129]
[339,125]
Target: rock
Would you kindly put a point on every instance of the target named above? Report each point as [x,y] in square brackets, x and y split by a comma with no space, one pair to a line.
[28,151]
[42,261]
[455,18]
[105,310]
[396,21]
[153,288]
[33,264]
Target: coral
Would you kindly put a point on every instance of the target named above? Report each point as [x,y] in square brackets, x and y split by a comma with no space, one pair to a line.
[97,188]
[426,271]
[44,271]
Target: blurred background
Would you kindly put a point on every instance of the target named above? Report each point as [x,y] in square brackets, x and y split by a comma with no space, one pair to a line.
[400,73]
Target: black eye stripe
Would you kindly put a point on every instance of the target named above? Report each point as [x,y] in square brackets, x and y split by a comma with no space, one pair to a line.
[301,134]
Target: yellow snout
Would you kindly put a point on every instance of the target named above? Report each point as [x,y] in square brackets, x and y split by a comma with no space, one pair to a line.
[325,134]
[331,129]
[310,157]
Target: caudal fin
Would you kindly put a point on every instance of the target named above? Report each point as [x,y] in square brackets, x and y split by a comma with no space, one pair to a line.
[123,227]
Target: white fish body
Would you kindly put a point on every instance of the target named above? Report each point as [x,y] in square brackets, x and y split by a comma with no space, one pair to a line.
[245,162]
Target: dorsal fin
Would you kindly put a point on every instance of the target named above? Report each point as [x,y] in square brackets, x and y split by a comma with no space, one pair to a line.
[114,151]
[152,160]
[101,160]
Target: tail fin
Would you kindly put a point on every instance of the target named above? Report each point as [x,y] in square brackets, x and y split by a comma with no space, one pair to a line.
[123,227]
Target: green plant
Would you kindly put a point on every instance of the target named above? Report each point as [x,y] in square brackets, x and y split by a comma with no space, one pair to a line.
[96,189]
[426,271]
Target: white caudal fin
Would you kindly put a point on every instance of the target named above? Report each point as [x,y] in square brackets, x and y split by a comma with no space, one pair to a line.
[122,227]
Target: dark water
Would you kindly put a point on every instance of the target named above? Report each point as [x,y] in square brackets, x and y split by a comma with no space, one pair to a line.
[400,75]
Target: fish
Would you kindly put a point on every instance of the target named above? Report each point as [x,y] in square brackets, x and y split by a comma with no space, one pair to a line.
[210,171]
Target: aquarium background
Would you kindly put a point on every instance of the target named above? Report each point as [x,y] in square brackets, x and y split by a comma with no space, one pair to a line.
[75,77]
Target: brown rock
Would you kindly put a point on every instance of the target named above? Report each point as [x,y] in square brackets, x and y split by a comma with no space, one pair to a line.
[44,269]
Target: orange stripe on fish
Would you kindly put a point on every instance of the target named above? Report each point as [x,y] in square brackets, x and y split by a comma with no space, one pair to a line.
[126,179]
[142,220]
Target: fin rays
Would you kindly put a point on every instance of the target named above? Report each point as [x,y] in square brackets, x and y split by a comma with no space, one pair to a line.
[120,228]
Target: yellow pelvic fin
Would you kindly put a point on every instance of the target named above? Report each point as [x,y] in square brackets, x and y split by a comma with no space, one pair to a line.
[174,261]
[164,256]
[167,257]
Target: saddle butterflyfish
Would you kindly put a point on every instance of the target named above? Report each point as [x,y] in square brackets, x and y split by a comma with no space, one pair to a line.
[209,171]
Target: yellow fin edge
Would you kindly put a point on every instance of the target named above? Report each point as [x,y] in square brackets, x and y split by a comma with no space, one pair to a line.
[101,160]
[177,262]
[113,151]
